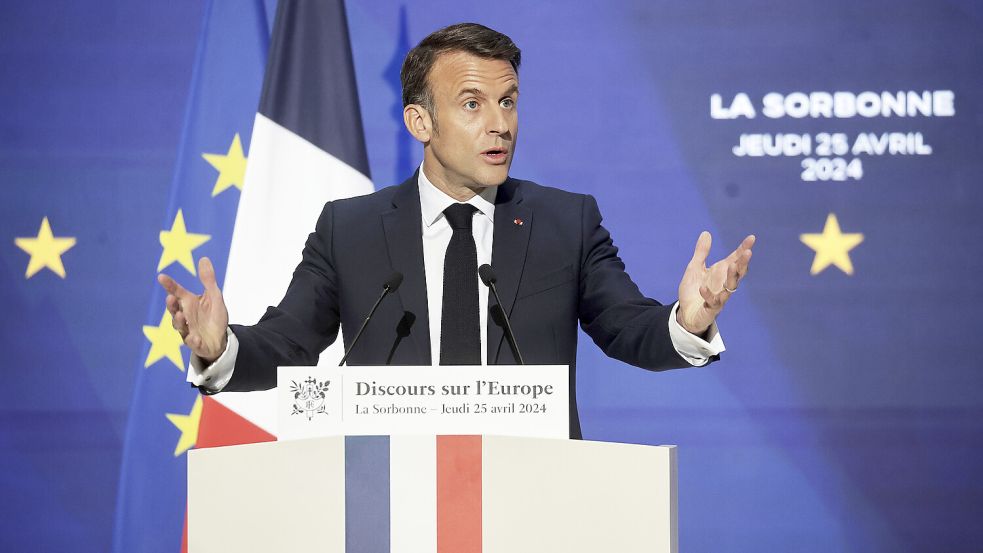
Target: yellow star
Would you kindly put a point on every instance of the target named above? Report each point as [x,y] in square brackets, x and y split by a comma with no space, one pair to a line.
[178,243]
[832,246]
[188,425]
[45,250]
[164,342]
[231,167]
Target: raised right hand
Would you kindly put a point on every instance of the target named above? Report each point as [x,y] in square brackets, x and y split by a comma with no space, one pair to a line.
[201,320]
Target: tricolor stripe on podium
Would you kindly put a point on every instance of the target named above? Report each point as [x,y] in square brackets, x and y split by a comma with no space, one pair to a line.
[468,494]
[413,490]
[426,494]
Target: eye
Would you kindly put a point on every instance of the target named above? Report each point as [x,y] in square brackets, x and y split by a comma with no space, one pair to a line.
[471,104]
[507,103]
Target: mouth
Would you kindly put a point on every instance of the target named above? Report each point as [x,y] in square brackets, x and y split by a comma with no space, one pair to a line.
[495,156]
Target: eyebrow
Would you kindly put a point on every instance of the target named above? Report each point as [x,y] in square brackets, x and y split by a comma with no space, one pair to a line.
[478,92]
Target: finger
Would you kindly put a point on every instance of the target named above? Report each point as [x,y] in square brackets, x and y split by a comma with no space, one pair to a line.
[731,282]
[708,297]
[748,242]
[180,324]
[742,264]
[702,249]
[714,302]
[193,341]
[206,273]
[171,286]
[173,306]
[744,246]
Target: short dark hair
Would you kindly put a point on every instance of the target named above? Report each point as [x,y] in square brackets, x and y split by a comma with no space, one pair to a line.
[470,38]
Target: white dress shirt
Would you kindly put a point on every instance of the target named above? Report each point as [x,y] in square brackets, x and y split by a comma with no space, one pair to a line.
[436,236]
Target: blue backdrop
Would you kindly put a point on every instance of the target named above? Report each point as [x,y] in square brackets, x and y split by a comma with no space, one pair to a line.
[847,413]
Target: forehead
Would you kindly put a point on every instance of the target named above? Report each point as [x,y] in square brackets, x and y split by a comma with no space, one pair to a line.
[453,72]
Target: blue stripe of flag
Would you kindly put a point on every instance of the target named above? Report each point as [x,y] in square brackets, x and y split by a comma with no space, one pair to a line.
[310,80]
[366,494]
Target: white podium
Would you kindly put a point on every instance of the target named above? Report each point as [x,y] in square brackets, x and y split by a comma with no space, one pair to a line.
[457,494]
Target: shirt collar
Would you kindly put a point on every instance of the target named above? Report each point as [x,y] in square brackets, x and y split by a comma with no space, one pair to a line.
[434,201]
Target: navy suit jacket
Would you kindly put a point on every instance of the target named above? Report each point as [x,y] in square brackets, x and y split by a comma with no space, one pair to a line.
[558,267]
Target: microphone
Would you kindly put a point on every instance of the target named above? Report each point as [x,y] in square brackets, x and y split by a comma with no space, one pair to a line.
[391,285]
[403,328]
[487,275]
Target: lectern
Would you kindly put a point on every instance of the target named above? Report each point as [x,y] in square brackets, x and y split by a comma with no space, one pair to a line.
[446,494]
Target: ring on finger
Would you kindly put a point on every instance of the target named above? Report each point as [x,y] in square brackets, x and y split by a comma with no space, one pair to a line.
[729,290]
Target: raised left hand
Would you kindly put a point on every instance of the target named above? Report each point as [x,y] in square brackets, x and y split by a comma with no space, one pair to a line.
[703,291]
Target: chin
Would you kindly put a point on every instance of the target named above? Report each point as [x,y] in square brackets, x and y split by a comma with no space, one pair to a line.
[493,177]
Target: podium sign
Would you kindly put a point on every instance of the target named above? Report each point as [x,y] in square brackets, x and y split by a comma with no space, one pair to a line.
[508,400]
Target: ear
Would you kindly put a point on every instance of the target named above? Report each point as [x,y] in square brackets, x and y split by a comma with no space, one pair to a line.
[418,122]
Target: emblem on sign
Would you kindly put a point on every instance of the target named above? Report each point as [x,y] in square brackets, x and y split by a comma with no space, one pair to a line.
[309,397]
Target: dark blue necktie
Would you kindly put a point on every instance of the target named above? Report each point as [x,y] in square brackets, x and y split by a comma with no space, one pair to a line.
[460,342]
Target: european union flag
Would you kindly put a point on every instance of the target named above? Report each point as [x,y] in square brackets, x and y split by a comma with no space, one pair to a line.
[197,221]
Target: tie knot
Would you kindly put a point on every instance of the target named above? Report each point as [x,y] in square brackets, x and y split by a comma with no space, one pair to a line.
[459,216]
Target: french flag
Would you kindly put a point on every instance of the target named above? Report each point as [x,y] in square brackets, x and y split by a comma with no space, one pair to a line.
[307,148]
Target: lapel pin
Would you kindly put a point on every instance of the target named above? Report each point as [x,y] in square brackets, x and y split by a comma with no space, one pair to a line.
[519,222]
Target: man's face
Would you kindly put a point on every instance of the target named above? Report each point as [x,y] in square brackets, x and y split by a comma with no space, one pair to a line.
[473,140]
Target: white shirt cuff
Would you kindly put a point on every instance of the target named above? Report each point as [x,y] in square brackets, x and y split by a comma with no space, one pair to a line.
[695,350]
[214,377]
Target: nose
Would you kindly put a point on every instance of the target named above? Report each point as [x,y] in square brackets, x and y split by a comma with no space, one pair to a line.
[497,122]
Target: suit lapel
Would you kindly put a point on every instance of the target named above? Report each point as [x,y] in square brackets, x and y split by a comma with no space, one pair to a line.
[404,240]
[513,225]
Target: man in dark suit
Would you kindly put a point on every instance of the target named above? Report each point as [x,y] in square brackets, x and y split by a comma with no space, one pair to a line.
[556,264]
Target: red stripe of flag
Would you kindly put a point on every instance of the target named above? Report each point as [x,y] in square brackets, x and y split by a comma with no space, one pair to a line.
[221,426]
[458,494]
